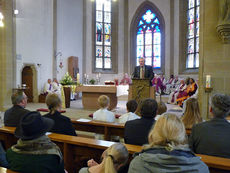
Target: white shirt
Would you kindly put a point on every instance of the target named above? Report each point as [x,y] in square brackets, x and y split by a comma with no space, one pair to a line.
[104,115]
[127,117]
[48,88]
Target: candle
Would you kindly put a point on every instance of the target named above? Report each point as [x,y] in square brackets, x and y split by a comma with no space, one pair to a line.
[78,78]
[85,75]
[208,81]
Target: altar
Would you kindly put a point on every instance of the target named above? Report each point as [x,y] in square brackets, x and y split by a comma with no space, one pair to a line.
[90,94]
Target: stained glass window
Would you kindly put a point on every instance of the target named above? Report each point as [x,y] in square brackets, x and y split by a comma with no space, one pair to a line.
[148,39]
[193,17]
[103,34]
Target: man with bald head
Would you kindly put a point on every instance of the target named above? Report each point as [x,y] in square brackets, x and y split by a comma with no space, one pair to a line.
[143,71]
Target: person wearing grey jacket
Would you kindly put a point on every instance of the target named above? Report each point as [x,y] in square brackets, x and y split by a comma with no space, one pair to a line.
[167,150]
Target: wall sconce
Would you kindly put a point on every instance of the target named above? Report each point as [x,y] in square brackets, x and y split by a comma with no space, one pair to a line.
[39,65]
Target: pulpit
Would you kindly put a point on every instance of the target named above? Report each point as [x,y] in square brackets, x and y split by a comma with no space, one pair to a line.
[140,89]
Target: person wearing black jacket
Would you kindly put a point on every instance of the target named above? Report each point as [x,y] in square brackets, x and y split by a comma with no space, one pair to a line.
[13,115]
[136,131]
[143,71]
[62,124]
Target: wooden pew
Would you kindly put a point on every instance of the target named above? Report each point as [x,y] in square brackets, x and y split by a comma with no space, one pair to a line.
[107,129]
[77,150]
[4,170]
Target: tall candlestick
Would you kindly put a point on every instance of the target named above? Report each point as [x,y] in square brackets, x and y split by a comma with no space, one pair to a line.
[208,81]
[78,78]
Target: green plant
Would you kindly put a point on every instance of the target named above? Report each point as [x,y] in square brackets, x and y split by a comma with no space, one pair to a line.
[92,81]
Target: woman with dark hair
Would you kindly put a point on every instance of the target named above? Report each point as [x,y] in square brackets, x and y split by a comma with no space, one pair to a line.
[191,89]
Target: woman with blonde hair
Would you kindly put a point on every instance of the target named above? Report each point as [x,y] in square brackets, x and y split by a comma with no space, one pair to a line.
[113,159]
[62,124]
[192,113]
[167,150]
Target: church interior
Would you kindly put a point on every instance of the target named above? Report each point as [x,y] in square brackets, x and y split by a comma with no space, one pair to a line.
[98,44]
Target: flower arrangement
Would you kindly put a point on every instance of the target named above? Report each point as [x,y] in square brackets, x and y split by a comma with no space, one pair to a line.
[92,81]
[67,80]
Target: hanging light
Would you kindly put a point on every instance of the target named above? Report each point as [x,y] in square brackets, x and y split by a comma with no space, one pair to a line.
[1,20]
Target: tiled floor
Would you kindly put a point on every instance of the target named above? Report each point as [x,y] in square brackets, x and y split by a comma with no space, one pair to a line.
[76,109]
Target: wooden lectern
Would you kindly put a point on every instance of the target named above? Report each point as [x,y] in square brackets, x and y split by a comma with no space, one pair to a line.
[140,89]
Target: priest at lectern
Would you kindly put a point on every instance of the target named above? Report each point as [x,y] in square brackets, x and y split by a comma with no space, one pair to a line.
[143,71]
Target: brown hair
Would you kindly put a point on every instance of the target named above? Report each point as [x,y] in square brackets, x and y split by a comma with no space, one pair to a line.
[192,113]
[53,102]
[161,108]
[131,105]
[103,101]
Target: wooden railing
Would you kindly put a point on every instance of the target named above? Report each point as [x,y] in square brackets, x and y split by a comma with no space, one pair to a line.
[77,150]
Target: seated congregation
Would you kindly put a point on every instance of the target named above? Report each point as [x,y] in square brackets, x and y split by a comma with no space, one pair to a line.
[162,135]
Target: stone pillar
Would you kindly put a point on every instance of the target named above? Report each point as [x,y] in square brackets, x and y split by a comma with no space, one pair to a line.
[7,54]
[214,55]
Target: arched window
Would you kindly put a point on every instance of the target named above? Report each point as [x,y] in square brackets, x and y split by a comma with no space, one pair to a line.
[103,36]
[149,39]
[193,17]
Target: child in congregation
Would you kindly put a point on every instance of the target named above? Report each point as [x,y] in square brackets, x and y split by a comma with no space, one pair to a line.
[131,107]
[114,158]
[167,150]
[162,108]
[103,114]
[192,113]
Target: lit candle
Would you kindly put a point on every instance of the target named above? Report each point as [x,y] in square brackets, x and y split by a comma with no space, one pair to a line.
[78,78]
[208,81]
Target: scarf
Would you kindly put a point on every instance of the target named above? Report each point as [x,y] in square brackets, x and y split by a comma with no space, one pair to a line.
[41,145]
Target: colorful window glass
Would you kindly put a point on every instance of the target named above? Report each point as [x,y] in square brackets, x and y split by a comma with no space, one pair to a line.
[193,17]
[103,35]
[148,39]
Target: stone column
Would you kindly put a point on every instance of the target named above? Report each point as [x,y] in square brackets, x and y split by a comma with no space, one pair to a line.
[7,54]
[214,55]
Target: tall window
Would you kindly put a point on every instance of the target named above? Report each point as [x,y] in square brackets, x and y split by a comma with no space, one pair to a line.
[149,39]
[103,40]
[193,18]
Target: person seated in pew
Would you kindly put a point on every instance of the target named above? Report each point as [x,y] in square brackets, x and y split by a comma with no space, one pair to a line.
[131,107]
[62,124]
[103,114]
[161,108]
[136,131]
[167,150]
[13,115]
[34,151]
[192,113]
[114,158]
[213,137]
